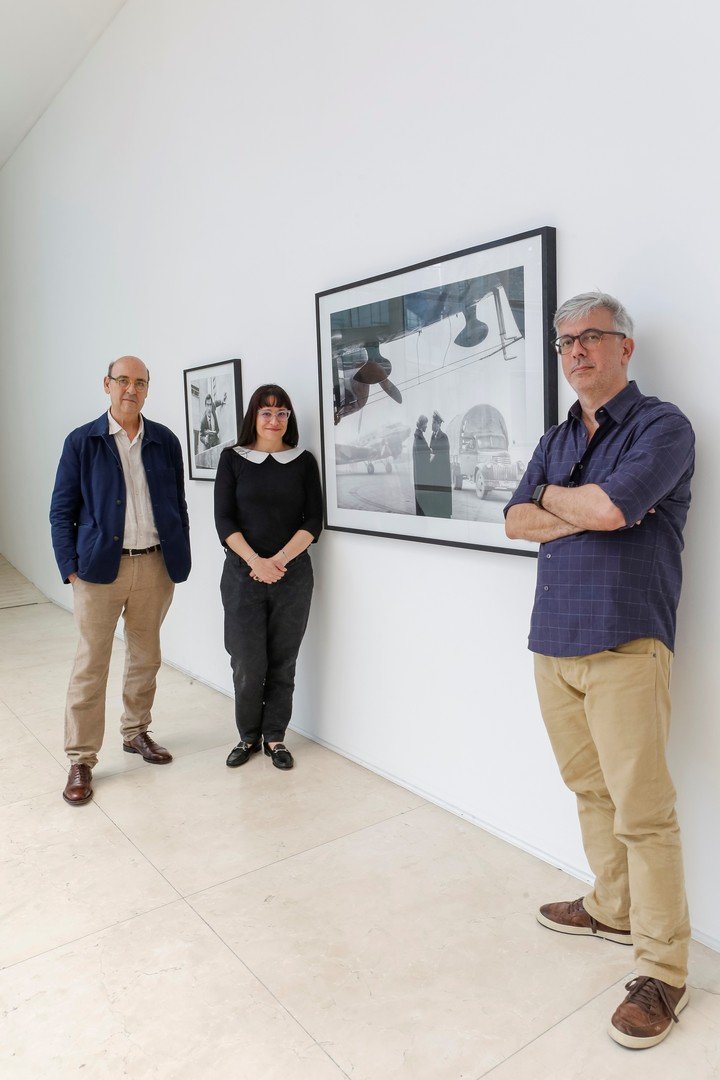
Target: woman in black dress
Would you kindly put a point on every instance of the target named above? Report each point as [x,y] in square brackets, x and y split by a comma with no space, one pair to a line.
[268,510]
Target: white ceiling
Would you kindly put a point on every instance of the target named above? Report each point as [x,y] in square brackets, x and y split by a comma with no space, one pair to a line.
[41,44]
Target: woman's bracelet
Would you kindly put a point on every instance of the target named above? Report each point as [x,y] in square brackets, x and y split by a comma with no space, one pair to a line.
[252,558]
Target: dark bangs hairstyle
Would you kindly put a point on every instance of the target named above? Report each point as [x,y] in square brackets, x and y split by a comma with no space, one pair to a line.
[274,397]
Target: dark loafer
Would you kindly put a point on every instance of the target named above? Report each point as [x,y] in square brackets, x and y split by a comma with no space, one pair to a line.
[78,789]
[241,753]
[148,749]
[281,756]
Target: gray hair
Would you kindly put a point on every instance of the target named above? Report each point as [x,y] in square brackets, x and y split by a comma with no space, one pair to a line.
[577,307]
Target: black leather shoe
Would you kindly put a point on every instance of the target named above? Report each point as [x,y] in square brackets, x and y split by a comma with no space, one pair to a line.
[241,753]
[281,756]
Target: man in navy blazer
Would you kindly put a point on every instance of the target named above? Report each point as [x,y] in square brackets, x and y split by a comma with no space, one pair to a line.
[121,539]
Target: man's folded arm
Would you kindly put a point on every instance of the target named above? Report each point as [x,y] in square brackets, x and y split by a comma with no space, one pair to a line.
[525,521]
[587,507]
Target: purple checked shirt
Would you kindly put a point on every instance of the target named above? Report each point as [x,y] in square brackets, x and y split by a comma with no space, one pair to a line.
[596,590]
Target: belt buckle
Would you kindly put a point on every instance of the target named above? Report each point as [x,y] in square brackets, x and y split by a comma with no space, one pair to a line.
[134,552]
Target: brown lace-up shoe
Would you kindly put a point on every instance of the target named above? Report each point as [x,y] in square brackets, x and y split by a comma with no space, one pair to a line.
[78,789]
[570,917]
[647,1014]
[148,749]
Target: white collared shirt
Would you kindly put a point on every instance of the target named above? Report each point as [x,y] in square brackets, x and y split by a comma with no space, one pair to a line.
[140,531]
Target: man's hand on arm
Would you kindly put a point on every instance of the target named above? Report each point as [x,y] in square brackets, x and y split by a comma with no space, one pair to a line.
[587,507]
[525,521]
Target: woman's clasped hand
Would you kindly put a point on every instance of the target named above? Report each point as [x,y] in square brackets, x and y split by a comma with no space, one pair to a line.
[267,571]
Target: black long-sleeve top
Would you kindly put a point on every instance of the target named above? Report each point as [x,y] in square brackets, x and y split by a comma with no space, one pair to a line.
[267,497]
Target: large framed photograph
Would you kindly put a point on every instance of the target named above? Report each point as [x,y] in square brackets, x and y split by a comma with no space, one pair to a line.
[213,413]
[436,383]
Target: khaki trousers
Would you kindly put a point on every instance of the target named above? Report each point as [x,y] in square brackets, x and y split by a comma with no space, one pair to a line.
[141,593]
[608,717]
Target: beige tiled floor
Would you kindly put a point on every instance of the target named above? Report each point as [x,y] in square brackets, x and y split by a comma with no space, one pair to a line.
[194,921]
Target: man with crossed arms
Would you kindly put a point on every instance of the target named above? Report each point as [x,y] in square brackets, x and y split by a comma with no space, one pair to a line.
[606,494]
[121,538]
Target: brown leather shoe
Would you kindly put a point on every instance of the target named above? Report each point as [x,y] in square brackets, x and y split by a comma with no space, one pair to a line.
[570,917]
[148,749]
[78,789]
[647,1014]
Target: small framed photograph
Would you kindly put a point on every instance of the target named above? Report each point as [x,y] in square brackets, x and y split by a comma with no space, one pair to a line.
[213,414]
[436,383]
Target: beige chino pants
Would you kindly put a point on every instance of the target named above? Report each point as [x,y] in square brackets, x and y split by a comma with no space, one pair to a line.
[608,718]
[141,593]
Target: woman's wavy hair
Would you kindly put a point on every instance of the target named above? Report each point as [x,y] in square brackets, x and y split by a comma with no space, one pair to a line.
[276,398]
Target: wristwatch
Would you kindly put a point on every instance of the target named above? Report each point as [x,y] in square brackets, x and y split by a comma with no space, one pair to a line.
[537,495]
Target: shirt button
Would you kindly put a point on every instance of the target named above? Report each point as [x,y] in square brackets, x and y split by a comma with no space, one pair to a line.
[546,588]
[548,556]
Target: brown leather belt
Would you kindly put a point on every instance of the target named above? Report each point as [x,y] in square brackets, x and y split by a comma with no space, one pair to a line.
[140,551]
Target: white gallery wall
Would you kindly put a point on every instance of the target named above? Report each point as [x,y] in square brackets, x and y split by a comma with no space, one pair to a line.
[214,163]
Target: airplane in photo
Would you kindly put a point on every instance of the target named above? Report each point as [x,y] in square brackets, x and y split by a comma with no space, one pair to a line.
[358,333]
[383,445]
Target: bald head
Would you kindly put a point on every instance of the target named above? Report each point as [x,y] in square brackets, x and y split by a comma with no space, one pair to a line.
[135,359]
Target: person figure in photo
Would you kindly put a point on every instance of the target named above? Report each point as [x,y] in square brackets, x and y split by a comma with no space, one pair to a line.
[209,426]
[607,494]
[268,511]
[440,470]
[421,464]
[121,539]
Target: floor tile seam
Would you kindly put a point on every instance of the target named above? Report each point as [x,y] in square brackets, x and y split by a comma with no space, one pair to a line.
[37,795]
[295,855]
[29,730]
[62,759]
[141,853]
[30,603]
[273,995]
[90,934]
[176,757]
[702,989]
[556,1024]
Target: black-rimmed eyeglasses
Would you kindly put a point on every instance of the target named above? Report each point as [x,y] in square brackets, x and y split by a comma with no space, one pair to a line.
[587,339]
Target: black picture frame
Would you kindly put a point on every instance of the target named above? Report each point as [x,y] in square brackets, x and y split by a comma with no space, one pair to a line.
[213,414]
[465,337]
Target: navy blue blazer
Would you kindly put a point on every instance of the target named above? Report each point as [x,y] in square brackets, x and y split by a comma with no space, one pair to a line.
[87,511]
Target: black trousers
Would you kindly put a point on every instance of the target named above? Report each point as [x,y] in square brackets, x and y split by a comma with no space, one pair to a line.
[264,626]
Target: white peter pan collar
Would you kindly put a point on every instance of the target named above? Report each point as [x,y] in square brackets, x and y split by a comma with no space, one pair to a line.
[258,456]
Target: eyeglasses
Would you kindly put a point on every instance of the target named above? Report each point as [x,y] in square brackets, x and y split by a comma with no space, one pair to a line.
[124,382]
[282,415]
[588,339]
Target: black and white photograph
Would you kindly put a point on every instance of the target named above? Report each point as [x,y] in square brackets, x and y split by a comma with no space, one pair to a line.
[213,412]
[436,383]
